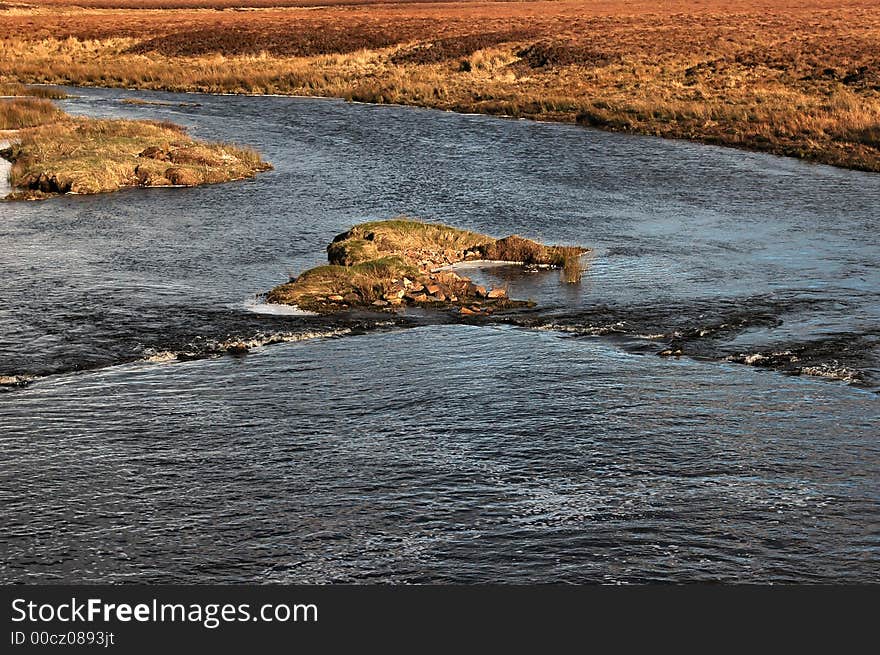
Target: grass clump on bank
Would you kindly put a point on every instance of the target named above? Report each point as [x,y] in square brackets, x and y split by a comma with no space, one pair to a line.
[524,251]
[16,89]
[84,155]
[388,264]
[20,113]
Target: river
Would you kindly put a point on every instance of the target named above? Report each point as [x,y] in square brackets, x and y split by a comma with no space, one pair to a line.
[549,445]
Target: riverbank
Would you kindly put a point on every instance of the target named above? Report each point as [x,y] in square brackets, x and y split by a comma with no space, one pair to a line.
[53,153]
[794,79]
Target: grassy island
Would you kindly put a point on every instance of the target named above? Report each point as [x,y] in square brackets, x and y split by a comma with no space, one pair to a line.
[54,153]
[400,262]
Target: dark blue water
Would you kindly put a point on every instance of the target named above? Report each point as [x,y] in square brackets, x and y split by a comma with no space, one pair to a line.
[549,445]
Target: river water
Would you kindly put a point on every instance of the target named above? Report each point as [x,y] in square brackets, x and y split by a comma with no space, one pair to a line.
[549,445]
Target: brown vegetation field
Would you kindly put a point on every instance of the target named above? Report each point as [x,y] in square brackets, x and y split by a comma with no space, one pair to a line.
[792,77]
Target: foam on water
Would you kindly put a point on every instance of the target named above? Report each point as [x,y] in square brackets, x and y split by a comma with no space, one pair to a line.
[5,167]
[261,307]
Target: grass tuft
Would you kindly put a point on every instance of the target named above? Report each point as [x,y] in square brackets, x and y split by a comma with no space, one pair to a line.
[46,92]
[21,113]
[415,239]
[525,251]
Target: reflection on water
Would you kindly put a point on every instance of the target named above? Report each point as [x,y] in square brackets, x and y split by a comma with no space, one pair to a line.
[548,445]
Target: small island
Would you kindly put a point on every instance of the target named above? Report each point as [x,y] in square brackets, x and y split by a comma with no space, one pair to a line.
[54,153]
[386,265]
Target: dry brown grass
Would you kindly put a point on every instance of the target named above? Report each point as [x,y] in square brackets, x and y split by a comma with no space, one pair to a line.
[571,268]
[16,89]
[402,237]
[525,251]
[793,77]
[82,155]
[238,5]
[27,112]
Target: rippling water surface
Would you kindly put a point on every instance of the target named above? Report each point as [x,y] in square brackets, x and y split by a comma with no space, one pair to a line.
[546,445]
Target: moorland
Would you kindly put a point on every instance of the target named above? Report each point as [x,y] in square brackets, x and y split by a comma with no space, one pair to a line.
[796,78]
